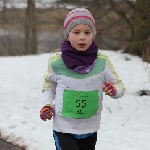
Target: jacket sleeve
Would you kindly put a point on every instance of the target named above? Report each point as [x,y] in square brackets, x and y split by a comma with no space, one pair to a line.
[112,76]
[49,85]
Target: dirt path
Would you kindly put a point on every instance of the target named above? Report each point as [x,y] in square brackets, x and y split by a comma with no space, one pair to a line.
[8,146]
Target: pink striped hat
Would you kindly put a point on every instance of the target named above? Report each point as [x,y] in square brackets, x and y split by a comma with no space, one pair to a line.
[79,16]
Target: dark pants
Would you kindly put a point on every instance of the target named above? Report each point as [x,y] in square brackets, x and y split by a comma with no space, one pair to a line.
[66,141]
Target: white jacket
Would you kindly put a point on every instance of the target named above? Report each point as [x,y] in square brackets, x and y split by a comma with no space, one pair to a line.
[59,78]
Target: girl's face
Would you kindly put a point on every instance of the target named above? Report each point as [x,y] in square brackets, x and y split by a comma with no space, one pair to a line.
[80,37]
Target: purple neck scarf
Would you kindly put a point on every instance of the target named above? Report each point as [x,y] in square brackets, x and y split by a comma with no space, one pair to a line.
[79,61]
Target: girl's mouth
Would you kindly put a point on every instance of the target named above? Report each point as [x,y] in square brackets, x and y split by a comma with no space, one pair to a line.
[81,45]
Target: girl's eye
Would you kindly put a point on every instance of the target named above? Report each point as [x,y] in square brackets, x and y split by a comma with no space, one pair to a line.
[87,32]
[76,32]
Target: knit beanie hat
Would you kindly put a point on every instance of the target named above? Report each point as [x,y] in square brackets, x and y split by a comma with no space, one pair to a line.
[79,16]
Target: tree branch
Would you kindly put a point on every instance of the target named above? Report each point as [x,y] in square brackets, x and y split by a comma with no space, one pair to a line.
[120,13]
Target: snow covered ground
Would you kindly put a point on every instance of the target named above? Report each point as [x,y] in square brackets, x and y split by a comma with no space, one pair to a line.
[125,122]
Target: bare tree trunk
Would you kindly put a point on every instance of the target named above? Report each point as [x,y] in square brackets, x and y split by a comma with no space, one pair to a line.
[4,10]
[31,28]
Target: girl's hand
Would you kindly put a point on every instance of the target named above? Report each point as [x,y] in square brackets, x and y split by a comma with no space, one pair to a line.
[109,89]
[46,112]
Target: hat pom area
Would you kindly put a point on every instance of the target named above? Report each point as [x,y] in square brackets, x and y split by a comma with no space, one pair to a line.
[79,16]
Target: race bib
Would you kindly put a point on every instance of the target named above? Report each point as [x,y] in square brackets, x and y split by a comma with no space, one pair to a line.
[80,104]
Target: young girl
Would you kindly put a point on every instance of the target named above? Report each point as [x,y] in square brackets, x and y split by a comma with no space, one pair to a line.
[76,79]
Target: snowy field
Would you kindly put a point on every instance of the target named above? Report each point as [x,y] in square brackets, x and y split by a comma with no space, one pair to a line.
[125,122]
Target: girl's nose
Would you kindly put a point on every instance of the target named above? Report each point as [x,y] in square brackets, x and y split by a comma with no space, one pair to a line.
[82,36]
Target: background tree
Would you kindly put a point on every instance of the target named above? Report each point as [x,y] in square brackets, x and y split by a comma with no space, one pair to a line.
[125,22]
[140,42]
[121,24]
[11,28]
[30,28]
[4,9]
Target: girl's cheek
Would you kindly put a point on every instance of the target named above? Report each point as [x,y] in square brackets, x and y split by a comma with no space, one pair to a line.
[74,39]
